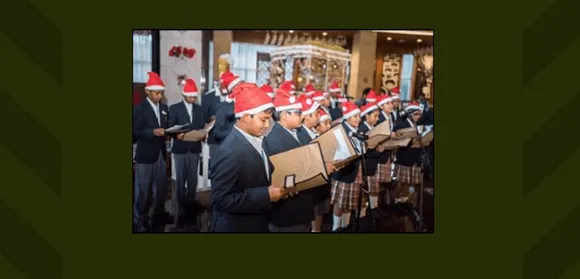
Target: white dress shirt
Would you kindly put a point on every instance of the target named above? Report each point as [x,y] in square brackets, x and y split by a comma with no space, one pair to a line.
[156,110]
[189,107]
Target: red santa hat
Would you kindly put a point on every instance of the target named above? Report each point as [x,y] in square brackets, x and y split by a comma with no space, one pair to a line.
[371,96]
[368,108]
[189,88]
[318,96]
[342,99]
[349,109]
[323,116]
[333,88]
[309,90]
[288,87]
[229,80]
[286,101]
[383,99]
[308,106]
[413,106]
[154,83]
[268,89]
[395,93]
[250,99]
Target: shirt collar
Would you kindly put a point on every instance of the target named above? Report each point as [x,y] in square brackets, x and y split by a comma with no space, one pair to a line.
[368,125]
[352,129]
[154,105]
[293,131]
[250,138]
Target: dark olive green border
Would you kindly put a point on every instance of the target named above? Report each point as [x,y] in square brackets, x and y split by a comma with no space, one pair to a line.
[506,96]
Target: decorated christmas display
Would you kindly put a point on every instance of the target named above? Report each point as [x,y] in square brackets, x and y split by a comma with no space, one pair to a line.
[307,60]
[424,77]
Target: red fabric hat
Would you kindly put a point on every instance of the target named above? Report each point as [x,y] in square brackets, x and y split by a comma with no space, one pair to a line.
[413,106]
[268,89]
[250,99]
[154,82]
[308,106]
[349,109]
[371,96]
[333,88]
[383,99]
[323,116]
[189,88]
[342,99]
[229,80]
[318,96]
[395,93]
[368,108]
[286,101]
[288,87]
[309,90]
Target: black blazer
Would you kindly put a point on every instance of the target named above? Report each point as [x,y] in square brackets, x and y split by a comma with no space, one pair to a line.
[303,135]
[224,122]
[407,156]
[348,173]
[335,113]
[178,115]
[295,210]
[240,200]
[371,157]
[386,154]
[144,121]
[210,103]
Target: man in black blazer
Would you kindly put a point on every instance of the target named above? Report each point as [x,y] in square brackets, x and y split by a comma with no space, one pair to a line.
[241,199]
[224,111]
[149,123]
[210,103]
[185,153]
[295,213]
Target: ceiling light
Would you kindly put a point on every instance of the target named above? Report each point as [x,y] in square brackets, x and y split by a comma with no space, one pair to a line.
[419,40]
[324,33]
[291,31]
[389,38]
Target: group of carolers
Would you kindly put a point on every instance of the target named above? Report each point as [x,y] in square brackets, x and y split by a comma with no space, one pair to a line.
[251,124]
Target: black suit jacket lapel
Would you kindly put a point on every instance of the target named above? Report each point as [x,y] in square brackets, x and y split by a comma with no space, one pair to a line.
[252,152]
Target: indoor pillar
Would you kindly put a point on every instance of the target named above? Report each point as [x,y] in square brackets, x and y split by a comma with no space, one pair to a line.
[363,63]
[222,43]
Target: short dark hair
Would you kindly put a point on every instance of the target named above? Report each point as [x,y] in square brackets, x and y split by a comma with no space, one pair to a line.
[366,91]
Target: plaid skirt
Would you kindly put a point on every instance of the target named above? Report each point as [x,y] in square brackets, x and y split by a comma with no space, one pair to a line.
[345,195]
[384,172]
[408,175]
[373,182]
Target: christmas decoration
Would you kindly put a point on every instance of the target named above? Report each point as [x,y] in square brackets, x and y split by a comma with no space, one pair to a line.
[182,52]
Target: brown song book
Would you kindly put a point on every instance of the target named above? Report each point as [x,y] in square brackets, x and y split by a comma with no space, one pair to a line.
[300,168]
[337,147]
[198,135]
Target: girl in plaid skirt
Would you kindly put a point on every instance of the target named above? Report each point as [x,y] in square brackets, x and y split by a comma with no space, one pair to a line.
[384,168]
[370,117]
[345,190]
[323,192]
[408,161]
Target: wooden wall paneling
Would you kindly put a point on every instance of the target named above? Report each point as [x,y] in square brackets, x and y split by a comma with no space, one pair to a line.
[378,71]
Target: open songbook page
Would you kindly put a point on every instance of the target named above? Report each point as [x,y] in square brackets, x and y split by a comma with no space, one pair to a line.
[337,148]
[199,135]
[178,129]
